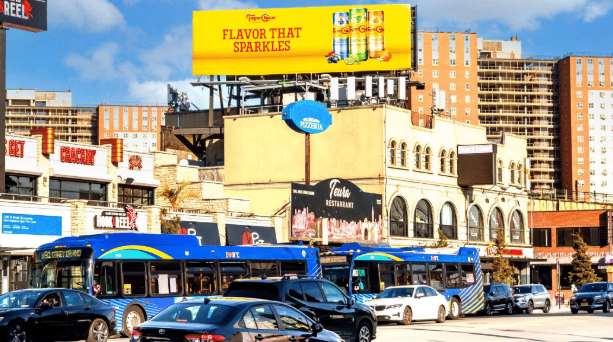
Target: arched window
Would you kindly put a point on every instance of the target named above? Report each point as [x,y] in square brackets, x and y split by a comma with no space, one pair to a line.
[499,171]
[443,157]
[428,159]
[418,157]
[512,169]
[520,178]
[393,152]
[422,225]
[475,224]
[517,227]
[398,217]
[452,163]
[448,221]
[403,154]
[496,224]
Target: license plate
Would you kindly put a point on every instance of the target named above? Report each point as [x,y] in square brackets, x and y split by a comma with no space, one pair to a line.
[584,303]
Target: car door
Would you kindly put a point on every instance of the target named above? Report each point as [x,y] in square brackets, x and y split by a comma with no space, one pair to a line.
[539,296]
[293,323]
[324,312]
[265,324]
[343,313]
[419,305]
[432,302]
[49,322]
[496,296]
[78,313]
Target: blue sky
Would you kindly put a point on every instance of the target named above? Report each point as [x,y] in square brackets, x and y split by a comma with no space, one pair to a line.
[126,51]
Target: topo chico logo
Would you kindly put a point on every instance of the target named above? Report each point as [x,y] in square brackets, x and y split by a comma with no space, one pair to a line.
[264,18]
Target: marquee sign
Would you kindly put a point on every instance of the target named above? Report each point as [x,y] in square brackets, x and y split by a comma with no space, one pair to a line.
[335,210]
[29,15]
[14,148]
[76,155]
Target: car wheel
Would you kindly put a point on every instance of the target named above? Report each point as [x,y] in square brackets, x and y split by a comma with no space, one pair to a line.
[364,332]
[98,331]
[574,311]
[509,310]
[590,310]
[606,307]
[16,332]
[547,306]
[530,307]
[407,318]
[132,317]
[440,318]
[455,309]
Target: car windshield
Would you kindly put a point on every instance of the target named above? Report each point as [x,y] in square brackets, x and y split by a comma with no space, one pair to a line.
[396,292]
[522,289]
[593,288]
[196,313]
[19,299]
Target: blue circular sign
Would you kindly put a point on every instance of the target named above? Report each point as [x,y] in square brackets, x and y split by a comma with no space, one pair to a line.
[307,116]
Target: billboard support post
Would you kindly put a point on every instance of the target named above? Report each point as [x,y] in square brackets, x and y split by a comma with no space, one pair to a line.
[307,159]
[2,106]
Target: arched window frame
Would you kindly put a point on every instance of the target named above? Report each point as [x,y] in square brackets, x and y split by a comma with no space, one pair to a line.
[443,160]
[422,220]
[450,229]
[496,212]
[392,152]
[417,153]
[520,172]
[512,173]
[475,223]
[517,232]
[452,163]
[428,158]
[500,169]
[403,154]
[399,217]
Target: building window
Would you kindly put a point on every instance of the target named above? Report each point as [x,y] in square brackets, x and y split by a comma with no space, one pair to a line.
[403,154]
[579,116]
[452,86]
[579,94]
[80,190]
[541,237]
[467,86]
[428,159]
[467,99]
[448,221]
[146,118]
[580,138]
[135,119]
[126,119]
[499,171]
[116,118]
[422,226]
[393,152]
[452,163]
[107,119]
[466,74]
[475,224]
[520,172]
[20,185]
[398,217]
[593,236]
[512,170]
[137,195]
[496,224]
[443,159]
[435,74]
[417,152]
[517,227]
[452,74]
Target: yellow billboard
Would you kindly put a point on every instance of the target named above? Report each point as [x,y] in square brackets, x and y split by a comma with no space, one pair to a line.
[302,40]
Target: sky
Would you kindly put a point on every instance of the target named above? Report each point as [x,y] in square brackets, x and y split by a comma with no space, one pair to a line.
[127,51]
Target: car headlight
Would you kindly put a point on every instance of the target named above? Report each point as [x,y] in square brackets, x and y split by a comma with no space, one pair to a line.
[573,298]
[597,297]
[1,318]
[394,306]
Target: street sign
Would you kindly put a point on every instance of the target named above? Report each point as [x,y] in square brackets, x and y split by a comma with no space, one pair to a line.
[29,15]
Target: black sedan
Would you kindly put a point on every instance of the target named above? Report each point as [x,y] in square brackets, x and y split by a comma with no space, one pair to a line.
[592,296]
[232,320]
[54,314]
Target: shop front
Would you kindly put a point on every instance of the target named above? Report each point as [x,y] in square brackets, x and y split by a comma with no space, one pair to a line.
[137,182]
[519,258]
[22,167]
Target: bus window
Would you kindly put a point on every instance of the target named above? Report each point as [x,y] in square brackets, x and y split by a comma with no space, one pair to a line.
[386,276]
[339,275]
[201,278]
[403,274]
[452,273]
[468,274]
[419,274]
[360,279]
[165,278]
[105,280]
[436,276]
[293,267]
[264,269]
[133,275]
[231,271]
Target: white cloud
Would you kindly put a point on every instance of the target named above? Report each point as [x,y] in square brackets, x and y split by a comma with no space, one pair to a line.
[225,4]
[100,64]
[173,54]
[154,92]
[597,9]
[86,15]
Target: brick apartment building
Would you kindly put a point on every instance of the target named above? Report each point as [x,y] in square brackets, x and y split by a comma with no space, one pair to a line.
[552,237]
[138,126]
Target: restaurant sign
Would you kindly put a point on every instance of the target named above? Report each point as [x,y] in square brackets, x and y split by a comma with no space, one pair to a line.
[335,210]
[122,220]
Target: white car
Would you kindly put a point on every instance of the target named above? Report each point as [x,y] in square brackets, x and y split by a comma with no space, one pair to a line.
[405,304]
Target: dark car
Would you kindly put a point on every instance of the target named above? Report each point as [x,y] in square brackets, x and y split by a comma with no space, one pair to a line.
[498,298]
[54,314]
[592,296]
[319,299]
[234,320]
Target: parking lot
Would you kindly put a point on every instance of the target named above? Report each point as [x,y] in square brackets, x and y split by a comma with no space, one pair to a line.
[559,325]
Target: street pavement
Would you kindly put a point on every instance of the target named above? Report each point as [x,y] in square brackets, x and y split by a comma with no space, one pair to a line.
[558,326]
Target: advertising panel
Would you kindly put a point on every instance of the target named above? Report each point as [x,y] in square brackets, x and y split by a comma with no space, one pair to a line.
[14,223]
[262,41]
[30,15]
[249,235]
[335,210]
[206,232]
[476,164]
[128,219]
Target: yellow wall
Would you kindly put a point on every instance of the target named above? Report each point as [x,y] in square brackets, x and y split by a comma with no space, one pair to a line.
[263,155]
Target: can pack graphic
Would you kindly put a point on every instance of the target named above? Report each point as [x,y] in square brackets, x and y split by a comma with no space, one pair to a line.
[341,34]
[358,50]
[376,34]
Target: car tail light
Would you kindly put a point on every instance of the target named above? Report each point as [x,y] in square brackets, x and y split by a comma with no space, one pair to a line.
[136,333]
[204,338]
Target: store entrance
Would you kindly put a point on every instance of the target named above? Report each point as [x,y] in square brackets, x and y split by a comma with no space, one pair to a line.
[14,272]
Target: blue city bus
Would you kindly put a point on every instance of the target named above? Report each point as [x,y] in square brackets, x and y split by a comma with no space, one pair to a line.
[142,274]
[365,271]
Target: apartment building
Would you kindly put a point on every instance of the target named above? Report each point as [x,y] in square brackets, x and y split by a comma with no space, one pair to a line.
[519,96]
[138,125]
[28,108]
[586,123]
[447,65]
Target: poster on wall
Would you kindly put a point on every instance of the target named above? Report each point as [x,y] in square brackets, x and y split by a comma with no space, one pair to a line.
[206,232]
[13,223]
[119,220]
[240,234]
[335,210]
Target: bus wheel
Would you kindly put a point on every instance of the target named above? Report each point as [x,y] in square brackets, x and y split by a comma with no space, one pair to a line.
[455,309]
[132,317]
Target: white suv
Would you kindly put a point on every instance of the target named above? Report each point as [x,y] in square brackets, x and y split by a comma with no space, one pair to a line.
[530,297]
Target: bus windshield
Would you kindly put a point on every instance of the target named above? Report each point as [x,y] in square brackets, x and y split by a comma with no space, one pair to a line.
[70,274]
